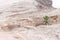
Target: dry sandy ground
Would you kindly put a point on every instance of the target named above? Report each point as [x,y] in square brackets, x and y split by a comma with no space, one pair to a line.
[42,32]
[27,31]
[39,33]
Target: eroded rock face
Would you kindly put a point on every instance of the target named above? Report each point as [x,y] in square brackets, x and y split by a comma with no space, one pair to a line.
[26,4]
[47,3]
[25,9]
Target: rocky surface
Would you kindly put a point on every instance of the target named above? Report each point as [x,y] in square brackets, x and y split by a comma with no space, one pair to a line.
[44,3]
[23,21]
[33,33]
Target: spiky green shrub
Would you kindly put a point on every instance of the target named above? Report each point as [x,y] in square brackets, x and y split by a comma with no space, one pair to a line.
[45,19]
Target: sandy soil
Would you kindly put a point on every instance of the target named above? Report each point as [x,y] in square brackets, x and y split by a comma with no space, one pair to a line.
[19,22]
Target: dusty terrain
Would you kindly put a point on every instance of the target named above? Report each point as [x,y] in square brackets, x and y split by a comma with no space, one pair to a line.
[23,20]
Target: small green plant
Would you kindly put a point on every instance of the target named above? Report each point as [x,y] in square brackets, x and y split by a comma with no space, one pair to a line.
[46,19]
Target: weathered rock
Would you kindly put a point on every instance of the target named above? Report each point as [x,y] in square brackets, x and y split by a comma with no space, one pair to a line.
[44,3]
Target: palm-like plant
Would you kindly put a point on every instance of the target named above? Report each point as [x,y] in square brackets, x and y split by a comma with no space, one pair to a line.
[46,19]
